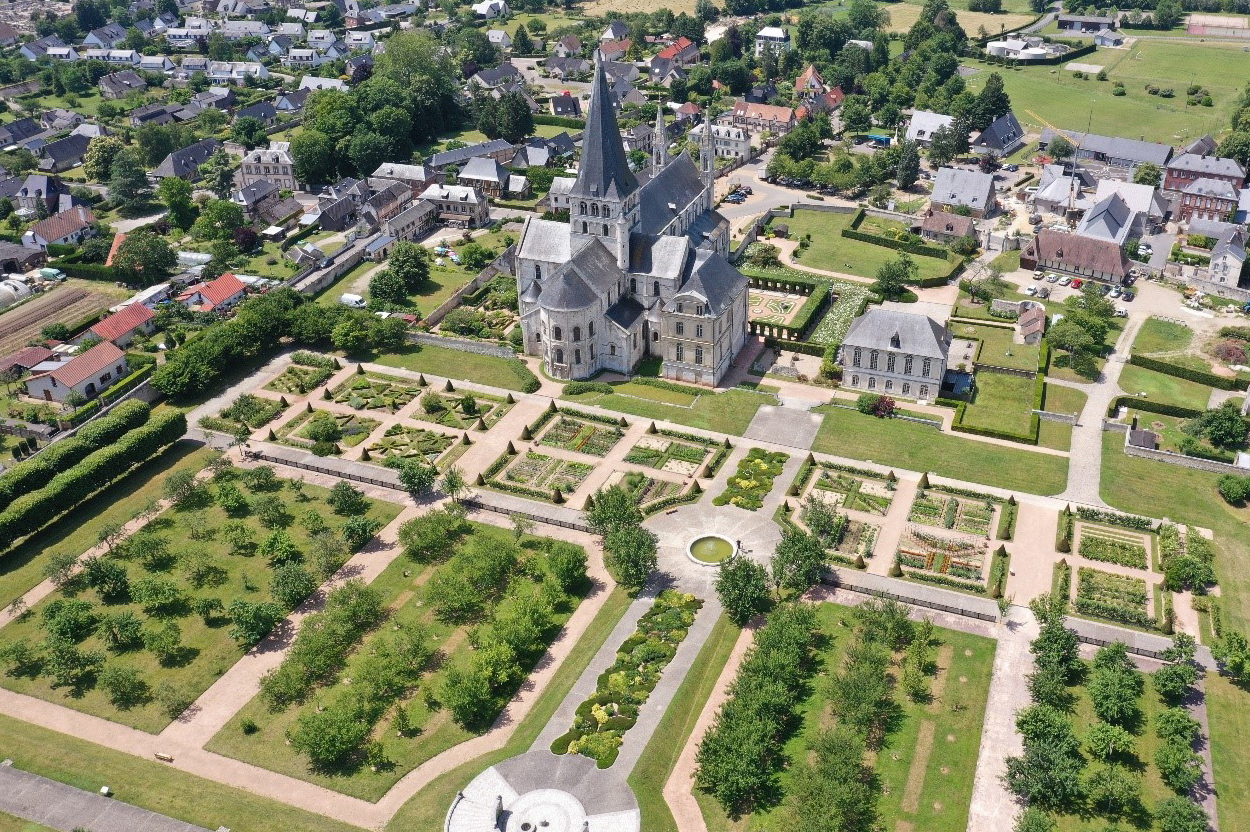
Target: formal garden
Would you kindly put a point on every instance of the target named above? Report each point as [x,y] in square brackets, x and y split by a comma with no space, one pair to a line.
[1123,547]
[297,380]
[141,631]
[244,415]
[582,435]
[602,720]
[677,456]
[644,489]
[846,541]
[1123,599]
[535,475]
[462,411]
[423,658]
[411,442]
[750,484]
[854,492]
[872,718]
[373,391]
[963,514]
[323,432]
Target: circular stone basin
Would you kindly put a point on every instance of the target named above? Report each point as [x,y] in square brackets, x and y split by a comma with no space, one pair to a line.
[710,549]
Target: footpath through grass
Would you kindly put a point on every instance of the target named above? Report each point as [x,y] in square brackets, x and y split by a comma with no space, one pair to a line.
[919,447]
[831,251]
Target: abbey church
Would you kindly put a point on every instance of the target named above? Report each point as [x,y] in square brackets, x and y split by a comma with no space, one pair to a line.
[640,269]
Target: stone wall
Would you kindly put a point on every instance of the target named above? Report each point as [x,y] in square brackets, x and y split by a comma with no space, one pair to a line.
[1050,416]
[462,344]
[486,275]
[1194,462]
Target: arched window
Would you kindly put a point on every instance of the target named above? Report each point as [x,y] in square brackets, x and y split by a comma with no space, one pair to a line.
[872,360]
[872,382]
[633,285]
[889,384]
[555,333]
[855,358]
[854,381]
[594,210]
[605,229]
[607,210]
[577,356]
[592,353]
[906,389]
[559,356]
[591,325]
[577,334]
[583,211]
[655,336]
[585,228]
[538,272]
[655,288]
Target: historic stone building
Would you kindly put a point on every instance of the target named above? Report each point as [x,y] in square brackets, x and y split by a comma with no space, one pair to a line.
[638,270]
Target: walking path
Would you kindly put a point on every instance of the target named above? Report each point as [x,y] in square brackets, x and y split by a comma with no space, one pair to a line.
[61,806]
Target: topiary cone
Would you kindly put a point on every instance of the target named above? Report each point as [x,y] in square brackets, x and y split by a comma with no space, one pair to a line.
[652,428]
[793,490]
[896,569]
[557,496]
[282,401]
[590,502]
[511,448]
[360,369]
[449,387]
[508,398]
[811,459]
[1011,500]
[480,424]
[726,444]
[890,477]
[1001,551]
[859,562]
[308,406]
[924,481]
[272,437]
[525,433]
[336,364]
[622,422]
[325,394]
[465,440]
[364,455]
[552,407]
[480,480]
[337,449]
[695,488]
[421,380]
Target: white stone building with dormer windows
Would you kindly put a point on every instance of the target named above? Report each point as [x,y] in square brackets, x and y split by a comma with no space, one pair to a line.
[897,354]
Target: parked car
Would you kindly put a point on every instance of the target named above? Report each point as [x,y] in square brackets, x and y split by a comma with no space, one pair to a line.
[1043,292]
[1038,275]
[1052,278]
[1065,280]
[1077,283]
[1013,168]
[1116,292]
[1121,312]
[1129,294]
[1105,289]
[1030,290]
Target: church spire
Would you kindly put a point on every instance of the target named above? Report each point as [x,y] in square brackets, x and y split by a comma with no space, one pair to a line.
[604,172]
[659,139]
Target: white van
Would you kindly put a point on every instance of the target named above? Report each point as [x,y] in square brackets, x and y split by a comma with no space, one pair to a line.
[354,301]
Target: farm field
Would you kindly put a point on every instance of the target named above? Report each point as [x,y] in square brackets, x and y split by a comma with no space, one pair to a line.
[68,303]
[1048,96]
[904,15]
[832,252]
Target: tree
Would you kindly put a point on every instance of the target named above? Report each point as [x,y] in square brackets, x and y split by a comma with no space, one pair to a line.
[175,193]
[568,564]
[1045,776]
[1180,814]
[180,486]
[992,101]
[1068,336]
[367,150]
[218,174]
[328,736]
[1034,820]
[1106,741]
[164,642]
[248,131]
[893,276]
[291,584]
[942,147]
[630,553]
[147,255]
[467,696]
[1179,766]
[797,560]
[388,287]
[219,219]
[128,181]
[1237,146]
[476,257]
[1222,426]
[97,164]
[613,508]
[742,586]
[908,165]
[1060,148]
[250,621]
[351,335]
[1148,173]
[313,154]
[1113,791]
[856,117]
[411,263]
[124,685]
[347,500]
[453,483]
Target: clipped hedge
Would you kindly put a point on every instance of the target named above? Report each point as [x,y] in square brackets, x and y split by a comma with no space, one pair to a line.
[92,271]
[59,456]
[1115,518]
[529,381]
[1189,374]
[1162,408]
[919,249]
[32,511]
[1035,421]
[577,388]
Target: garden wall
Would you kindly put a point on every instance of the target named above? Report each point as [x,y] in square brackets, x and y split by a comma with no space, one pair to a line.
[462,344]
[498,266]
[1182,460]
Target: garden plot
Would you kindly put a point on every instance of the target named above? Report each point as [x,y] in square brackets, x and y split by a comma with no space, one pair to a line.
[408,442]
[244,415]
[1113,545]
[1120,598]
[956,557]
[580,435]
[375,392]
[139,634]
[461,411]
[539,471]
[297,380]
[844,537]
[773,307]
[854,493]
[750,484]
[672,455]
[963,514]
[325,433]
[642,488]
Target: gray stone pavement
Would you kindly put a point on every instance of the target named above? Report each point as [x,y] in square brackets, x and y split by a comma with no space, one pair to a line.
[790,426]
[64,807]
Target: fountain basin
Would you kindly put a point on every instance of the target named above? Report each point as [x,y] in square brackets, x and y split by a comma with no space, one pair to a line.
[710,550]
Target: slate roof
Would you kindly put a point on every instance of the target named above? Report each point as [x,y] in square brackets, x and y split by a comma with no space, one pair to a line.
[1003,133]
[1231,242]
[711,277]
[957,186]
[916,334]
[186,161]
[604,169]
[566,105]
[497,75]
[1202,146]
[546,240]
[1111,218]
[1207,165]
[1114,147]
[18,131]
[924,124]
[676,185]
[583,280]
[68,149]
[942,222]
[1218,188]
[121,83]
[484,169]
[462,154]
[263,110]
[255,192]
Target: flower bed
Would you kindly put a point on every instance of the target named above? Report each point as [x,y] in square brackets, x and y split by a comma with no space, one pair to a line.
[1120,598]
[872,496]
[1109,547]
[299,380]
[644,489]
[581,436]
[949,512]
[245,414]
[541,471]
[665,454]
[410,442]
[461,411]
[325,433]
[602,720]
[753,479]
[959,558]
[375,392]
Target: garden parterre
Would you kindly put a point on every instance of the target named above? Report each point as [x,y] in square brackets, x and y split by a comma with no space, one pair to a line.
[750,484]
[1111,545]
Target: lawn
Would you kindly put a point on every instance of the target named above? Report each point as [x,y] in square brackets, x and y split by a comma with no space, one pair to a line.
[443,283]
[329,296]
[1002,402]
[77,531]
[918,447]
[1058,435]
[151,785]
[428,808]
[258,264]
[1158,335]
[904,15]
[1164,388]
[832,252]
[944,753]
[1228,711]
[9,823]
[997,347]
[403,589]
[730,411]
[468,366]
[1049,96]
[195,562]
[1171,435]
[1008,261]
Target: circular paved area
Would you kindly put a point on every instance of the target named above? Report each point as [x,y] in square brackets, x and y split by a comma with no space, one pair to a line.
[542,792]
[756,530]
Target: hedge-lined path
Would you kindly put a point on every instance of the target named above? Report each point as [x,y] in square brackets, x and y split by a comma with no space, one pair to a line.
[892,525]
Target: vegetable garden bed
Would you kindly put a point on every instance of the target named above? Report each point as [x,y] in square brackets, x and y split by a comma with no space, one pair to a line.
[1119,598]
[665,454]
[1124,548]
[959,559]
[582,436]
[855,493]
[949,512]
[245,414]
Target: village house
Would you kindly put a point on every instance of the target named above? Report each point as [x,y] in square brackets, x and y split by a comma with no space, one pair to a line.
[895,354]
[1224,276]
[85,375]
[773,38]
[728,142]
[924,124]
[489,176]
[958,188]
[566,105]
[67,228]
[1002,137]
[256,198]
[418,177]
[568,46]
[63,154]
[1086,257]
[413,222]
[1208,199]
[117,85]
[943,227]
[220,295]
[124,326]
[185,163]
[1110,150]
[1188,168]
[500,150]
[763,118]
[273,164]
[1084,23]
[459,206]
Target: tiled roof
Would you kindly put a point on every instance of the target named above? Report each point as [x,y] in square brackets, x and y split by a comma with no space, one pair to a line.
[1085,252]
[123,322]
[92,362]
[26,358]
[118,239]
[63,224]
[222,289]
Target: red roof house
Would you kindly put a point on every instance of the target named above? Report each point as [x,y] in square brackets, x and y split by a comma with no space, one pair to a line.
[125,325]
[220,295]
[86,374]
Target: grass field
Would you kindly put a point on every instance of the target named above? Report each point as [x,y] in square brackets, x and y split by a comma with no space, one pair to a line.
[1058,435]
[1008,261]
[730,411]
[442,284]
[1157,335]
[1049,96]
[833,252]
[9,823]
[944,752]
[921,448]
[904,15]
[329,296]
[1164,388]
[660,756]
[76,532]
[440,361]
[1002,402]
[997,347]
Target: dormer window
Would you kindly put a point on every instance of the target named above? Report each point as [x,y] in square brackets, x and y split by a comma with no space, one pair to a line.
[895,341]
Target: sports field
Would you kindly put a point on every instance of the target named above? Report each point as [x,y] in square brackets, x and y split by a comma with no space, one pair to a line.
[1050,96]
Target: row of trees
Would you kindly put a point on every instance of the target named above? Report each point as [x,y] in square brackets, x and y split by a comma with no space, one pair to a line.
[629,549]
